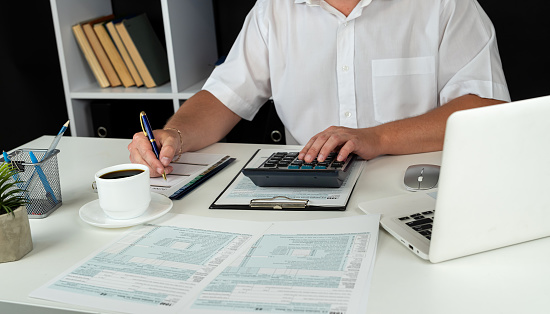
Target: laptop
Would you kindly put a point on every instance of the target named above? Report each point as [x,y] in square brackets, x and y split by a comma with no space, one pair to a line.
[493,189]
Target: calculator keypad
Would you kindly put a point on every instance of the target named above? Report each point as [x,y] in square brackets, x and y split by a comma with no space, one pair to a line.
[289,160]
[285,169]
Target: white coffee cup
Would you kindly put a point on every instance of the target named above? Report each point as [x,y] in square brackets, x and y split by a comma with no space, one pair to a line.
[122,196]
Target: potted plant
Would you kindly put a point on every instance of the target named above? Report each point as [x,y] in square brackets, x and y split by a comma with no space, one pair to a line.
[15,231]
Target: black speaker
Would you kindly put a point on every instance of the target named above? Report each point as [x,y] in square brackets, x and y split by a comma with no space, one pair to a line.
[120,118]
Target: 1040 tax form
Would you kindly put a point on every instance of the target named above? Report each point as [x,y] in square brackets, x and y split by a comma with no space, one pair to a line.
[194,264]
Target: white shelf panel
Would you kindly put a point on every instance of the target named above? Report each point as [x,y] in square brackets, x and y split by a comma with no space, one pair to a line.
[95,92]
[190,39]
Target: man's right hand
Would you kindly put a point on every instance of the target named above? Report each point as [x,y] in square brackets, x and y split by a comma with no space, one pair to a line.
[141,151]
[202,120]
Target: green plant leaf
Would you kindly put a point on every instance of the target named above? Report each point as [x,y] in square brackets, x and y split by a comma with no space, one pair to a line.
[11,195]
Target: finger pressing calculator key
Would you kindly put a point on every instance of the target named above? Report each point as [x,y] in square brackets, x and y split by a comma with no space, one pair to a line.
[285,169]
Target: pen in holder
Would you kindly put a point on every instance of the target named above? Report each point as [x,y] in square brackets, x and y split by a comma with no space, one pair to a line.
[40,180]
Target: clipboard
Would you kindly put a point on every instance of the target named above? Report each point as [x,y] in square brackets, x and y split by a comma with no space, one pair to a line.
[242,194]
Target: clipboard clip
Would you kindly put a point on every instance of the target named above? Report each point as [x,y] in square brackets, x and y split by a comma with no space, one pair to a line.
[279,202]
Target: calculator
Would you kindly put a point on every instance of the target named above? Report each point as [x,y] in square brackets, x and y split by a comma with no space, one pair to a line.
[285,169]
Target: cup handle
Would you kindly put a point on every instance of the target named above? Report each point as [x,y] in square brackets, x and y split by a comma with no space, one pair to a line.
[94,187]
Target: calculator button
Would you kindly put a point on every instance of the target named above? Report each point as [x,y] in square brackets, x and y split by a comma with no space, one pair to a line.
[285,169]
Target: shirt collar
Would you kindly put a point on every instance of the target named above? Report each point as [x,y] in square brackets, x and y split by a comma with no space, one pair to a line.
[309,2]
[318,2]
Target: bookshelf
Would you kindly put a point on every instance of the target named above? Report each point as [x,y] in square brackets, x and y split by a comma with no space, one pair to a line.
[190,45]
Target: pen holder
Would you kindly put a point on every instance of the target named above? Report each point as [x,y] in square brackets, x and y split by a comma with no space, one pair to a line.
[40,180]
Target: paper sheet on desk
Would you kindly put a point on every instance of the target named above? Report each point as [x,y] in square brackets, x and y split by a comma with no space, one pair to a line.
[189,264]
[189,167]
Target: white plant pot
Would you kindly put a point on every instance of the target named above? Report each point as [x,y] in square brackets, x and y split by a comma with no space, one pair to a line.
[15,235]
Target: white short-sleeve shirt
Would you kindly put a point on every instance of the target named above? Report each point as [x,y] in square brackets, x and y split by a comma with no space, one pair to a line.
[387,60]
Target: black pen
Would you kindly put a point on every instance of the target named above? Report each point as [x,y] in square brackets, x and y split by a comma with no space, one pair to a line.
[148,131]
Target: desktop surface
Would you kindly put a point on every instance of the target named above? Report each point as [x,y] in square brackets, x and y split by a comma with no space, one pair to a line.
[514,279]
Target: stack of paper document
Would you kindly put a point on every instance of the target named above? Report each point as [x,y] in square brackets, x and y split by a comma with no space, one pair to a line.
[190,264]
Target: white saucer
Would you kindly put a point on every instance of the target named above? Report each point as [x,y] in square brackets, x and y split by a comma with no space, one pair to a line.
[94,215]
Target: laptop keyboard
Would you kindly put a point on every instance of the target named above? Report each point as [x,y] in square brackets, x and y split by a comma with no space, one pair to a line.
[420,222]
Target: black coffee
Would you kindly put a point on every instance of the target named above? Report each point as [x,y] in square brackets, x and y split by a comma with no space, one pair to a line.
[121,174]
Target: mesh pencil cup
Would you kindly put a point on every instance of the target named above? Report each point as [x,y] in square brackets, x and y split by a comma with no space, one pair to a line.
[40,180]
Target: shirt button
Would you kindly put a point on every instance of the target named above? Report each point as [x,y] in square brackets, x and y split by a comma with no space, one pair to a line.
[345,68]
[347,114]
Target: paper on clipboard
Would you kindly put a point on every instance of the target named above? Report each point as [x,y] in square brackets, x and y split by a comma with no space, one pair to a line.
[187,170]
[242,193]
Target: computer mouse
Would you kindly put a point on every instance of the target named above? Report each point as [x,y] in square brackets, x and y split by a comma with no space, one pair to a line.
[421,177]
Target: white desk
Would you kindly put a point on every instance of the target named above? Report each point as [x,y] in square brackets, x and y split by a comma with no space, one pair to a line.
[515,279]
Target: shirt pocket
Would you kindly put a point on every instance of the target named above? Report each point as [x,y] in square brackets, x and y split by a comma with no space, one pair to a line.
[403,88]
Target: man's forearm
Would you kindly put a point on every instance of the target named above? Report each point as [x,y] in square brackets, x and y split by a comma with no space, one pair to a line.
[202,120]
[426,132]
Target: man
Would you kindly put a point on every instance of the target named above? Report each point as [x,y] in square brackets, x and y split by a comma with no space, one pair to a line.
[369,77]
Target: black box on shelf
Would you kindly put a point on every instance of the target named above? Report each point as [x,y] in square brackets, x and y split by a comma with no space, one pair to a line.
[265,128]
[120,118]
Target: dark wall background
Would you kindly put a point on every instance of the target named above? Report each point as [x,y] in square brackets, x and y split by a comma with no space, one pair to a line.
[229,16]
[522,34]
[32,101]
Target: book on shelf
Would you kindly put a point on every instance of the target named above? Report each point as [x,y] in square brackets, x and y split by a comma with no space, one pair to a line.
[90,56]
[145,49]
[110,25]
[104,61]
[113,54]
